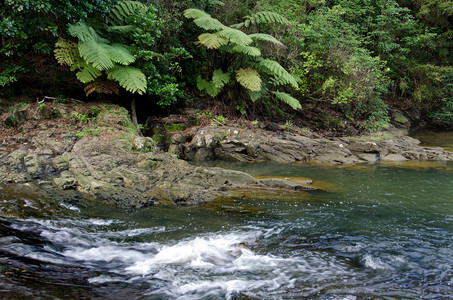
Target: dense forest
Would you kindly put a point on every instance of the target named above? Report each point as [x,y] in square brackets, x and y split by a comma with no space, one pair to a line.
[326,62]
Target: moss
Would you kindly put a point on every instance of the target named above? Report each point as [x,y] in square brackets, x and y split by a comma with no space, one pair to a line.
[173,127]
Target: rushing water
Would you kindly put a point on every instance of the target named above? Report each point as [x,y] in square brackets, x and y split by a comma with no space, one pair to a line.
[375,232]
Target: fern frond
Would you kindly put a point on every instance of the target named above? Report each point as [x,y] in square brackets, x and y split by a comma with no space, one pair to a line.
[255,95]
[209,23]
[208,86]
[235,36]
[130,78]
[288,99]
[102,86]
[217,2]
[268,17]
[249,50]
[220,79]
[88,74]
[123,9]
[96,54]
[249,78]
[211,40]
[274,68]
[66,52]
[85,33]
[238,25]
[193,13]
[265,37]
[120,54]
[123,29]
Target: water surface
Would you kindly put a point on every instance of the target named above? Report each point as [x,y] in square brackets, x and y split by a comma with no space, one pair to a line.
[375,232]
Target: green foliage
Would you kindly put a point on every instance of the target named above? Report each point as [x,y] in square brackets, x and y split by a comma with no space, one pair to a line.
[251,71]
[288,99]
[262,17]
[29,30]
[161,66]
[95,55]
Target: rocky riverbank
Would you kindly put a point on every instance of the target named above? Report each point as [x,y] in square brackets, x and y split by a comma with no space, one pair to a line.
[80,151]
[240,144]
[93,152]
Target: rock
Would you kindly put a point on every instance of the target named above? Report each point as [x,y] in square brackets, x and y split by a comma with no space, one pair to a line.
[286,184]
[366,147]
[400,120]
[394,157]
[232,176]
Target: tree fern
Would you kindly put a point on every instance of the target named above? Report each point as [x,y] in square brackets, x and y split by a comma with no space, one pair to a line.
[209,23]
[96,54]
[88,74]
[193,13]
[66,52]
[211,41]
[254,96]
[235,36]
[123,29]
[265,37]
[123,9]
[207,86]
[262,17]
[102,86]
[130,78]
[84,33]
[288,99]
[249,78]
[120,54]
[268,17]
[249,50]
[274,68]
[220,79]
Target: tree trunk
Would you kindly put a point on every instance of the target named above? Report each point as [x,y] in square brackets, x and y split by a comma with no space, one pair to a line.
[134,116]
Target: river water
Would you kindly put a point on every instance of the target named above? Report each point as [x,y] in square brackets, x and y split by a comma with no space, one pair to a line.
[373,232]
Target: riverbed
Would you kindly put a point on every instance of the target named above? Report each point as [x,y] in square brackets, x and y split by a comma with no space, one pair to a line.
[371,231]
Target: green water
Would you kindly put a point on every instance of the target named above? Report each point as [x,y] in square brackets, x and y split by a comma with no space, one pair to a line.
[442,139]
[375,232]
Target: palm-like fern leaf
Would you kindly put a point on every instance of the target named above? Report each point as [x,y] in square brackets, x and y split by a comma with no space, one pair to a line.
[220,79]
[211,40]
[96,54]
[249,78]
[123,29]
[66,52]
[120,54]
[249,50]
[265,37]
[255,95]
[209,23]
[274,68]
[235,36]
[130,78]
[193,13]
[265,17]
[123,9]
[102,86]
[288,99]
[88,74]
[85,33]
[208,86]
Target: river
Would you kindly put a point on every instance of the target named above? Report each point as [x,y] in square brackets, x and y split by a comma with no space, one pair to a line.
[373,232]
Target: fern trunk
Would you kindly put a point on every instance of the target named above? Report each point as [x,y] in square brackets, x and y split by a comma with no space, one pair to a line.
[134,116]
